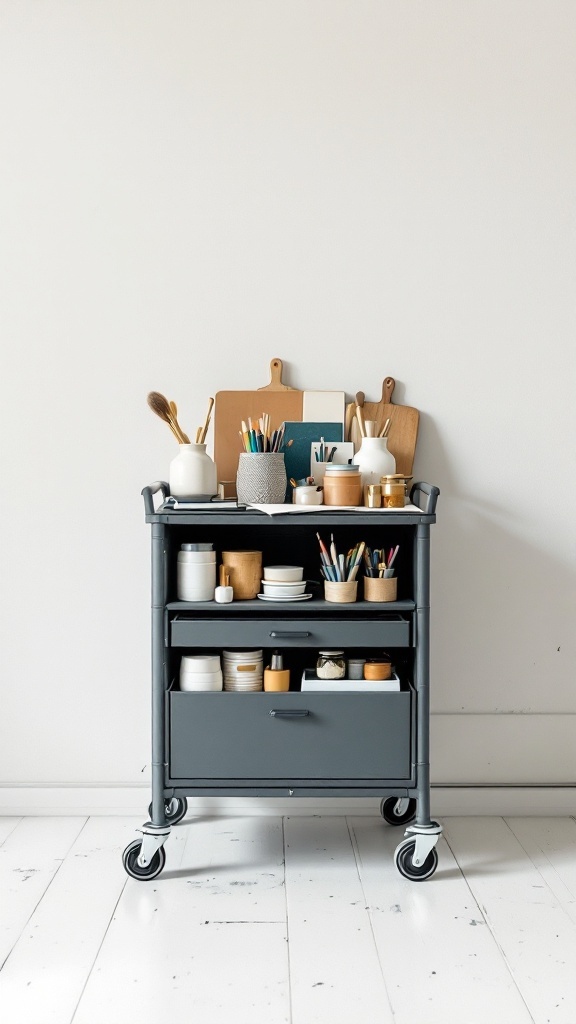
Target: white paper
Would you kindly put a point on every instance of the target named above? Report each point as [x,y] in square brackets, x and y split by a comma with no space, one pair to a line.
[280,510]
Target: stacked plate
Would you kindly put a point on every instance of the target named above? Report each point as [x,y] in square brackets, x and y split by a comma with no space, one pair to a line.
[243,671]
[283,583]
[200,672]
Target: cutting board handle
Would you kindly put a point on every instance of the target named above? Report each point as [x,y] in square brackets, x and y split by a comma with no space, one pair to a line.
[388,385]
[276,378]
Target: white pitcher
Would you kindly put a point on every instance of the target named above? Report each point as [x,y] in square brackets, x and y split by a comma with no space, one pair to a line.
[374,460]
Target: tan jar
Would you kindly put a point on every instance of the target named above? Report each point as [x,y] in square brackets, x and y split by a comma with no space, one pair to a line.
[342,485]
[394,490]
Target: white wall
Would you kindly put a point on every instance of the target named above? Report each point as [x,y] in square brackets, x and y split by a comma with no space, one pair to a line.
[361,188]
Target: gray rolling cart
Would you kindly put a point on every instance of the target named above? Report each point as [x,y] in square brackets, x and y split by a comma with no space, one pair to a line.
[295,744]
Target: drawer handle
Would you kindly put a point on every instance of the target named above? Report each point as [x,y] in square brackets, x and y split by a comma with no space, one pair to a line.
[295,713]
[289,633]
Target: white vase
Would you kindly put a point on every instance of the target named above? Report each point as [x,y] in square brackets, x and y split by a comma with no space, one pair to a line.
[374,460]
[193,474]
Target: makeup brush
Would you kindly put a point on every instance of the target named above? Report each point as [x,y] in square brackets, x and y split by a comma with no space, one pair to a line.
[160,405]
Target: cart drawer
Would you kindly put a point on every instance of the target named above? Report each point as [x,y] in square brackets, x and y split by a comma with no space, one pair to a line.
[393,631]
[289,735]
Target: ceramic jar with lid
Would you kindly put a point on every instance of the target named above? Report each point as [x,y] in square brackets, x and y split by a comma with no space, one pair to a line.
[331,665]
[342,485]
[196,573]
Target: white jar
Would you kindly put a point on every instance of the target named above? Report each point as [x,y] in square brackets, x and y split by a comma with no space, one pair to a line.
[193,474]
[195,574]
[374,460]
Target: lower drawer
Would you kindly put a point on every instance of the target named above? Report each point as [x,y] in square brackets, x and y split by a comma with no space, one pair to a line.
[393,631]
[289,735]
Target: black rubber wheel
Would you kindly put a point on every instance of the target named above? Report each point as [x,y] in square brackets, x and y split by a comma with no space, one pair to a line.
[404,862]
[134,869]
[387,810]
[174,809]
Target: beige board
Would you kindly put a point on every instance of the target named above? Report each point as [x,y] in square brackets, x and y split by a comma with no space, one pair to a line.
[231,407]
[404,421]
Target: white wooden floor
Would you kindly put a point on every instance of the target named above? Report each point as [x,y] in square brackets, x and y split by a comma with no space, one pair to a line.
[303,919]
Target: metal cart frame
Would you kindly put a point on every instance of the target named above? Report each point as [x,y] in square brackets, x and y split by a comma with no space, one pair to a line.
[405,801]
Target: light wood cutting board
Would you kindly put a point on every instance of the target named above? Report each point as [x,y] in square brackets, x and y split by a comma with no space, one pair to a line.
[404,422]
[231,407]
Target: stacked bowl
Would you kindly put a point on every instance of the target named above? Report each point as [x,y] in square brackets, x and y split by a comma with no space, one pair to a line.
[200,672]
[283,583]
[243,671]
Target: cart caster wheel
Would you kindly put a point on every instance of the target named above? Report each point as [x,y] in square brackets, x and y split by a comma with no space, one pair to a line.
[174,809]
[134,869]
[404,862]
[388,811]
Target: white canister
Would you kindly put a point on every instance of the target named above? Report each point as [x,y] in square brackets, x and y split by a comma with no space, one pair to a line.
[193,474]
[190,681]
[374,460]
[308,494]
[195,574]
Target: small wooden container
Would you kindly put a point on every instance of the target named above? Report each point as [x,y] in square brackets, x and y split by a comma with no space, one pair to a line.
[380,589]
[341,593]
[342,485]
[377,670]
[245,570]
[276,680]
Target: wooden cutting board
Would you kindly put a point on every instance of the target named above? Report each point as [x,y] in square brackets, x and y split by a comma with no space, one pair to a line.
[404,421]
[231,407]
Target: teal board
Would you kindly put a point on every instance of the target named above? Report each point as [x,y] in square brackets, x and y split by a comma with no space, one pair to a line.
[297,457]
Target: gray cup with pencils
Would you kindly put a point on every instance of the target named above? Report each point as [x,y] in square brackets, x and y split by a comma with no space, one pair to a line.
[261,477]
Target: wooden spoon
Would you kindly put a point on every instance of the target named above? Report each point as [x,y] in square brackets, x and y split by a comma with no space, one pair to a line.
[174,411]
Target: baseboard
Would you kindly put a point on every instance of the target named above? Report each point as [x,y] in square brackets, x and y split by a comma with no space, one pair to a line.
[133,801]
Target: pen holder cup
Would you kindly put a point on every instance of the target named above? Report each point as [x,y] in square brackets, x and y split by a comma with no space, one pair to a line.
[261,478]
[380,589]
[341,593]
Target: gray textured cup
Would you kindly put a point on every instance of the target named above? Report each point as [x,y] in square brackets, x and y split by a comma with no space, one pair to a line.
[261,478]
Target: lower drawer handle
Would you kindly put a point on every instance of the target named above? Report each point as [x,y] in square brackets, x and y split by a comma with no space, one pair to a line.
[289,633]
[295,713]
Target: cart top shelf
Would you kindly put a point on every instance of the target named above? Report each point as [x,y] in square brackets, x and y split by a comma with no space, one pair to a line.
[423,495]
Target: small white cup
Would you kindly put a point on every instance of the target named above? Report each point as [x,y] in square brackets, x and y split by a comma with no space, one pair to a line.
[223,595]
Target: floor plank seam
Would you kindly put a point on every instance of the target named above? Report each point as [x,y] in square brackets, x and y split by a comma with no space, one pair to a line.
[12,830]
[287,923]
[357,859]
[36,905]
[486,917]
[559,902]
[89,972]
